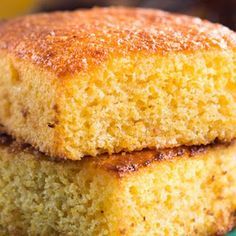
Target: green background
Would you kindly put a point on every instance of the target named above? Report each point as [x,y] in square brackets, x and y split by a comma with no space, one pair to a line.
[233,233]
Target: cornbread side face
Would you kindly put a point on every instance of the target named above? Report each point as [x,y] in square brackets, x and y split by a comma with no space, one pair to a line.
[27,107]
[106,80]
[181,191]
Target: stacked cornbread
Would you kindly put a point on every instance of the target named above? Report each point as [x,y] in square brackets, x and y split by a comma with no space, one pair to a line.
[117,121]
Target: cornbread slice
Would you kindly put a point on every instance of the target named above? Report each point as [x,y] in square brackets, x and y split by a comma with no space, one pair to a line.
[180,191]
[106,80]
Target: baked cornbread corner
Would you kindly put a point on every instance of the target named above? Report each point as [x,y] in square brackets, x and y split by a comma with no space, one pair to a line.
[181,191]
[116,79]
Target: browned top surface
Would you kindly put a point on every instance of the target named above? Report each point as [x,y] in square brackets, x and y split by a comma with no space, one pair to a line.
[131,162]
[120,164]
[68,42]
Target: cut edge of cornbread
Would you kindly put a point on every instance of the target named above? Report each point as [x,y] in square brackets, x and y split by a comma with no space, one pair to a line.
[107,80]
[165,101]
[180,191]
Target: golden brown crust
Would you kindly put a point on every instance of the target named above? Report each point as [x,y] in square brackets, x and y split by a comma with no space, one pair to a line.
[122,163]
[69,42]
[231,226]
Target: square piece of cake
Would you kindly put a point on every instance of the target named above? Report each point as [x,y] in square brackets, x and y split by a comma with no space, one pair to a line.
[181,191]
[116,79]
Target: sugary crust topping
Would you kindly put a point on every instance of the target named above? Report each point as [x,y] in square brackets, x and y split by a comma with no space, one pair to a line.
[69,42]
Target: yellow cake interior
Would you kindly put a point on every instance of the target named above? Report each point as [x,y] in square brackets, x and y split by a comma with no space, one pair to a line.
[166,101]
[188,191]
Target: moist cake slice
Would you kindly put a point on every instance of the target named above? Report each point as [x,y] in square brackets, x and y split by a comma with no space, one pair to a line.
[116,79]
[180,191]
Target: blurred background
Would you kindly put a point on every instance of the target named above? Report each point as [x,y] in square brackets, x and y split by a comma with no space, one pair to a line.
[222,11]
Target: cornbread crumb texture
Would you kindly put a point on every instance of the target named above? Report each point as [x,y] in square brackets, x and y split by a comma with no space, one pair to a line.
[187,100]
[111,80]
[180,196]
